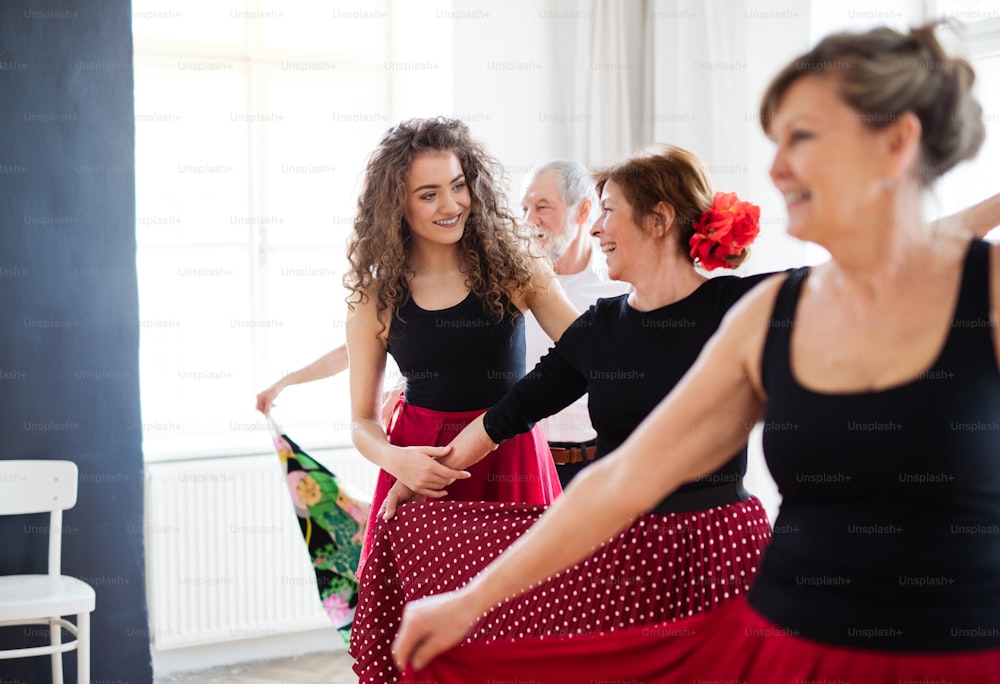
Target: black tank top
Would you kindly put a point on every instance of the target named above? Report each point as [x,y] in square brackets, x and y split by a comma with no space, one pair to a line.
[459,358]
[888,535]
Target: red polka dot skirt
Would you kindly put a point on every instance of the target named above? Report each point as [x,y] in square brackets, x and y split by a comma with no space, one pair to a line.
[733,644]
[663,568]
[520,470]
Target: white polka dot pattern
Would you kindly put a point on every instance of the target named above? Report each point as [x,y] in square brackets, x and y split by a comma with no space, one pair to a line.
[662,568]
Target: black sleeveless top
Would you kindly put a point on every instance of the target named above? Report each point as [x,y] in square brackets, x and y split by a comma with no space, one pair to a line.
[459,358]
[889,531]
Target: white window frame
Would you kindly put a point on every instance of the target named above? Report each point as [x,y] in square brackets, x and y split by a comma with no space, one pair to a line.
[318,413]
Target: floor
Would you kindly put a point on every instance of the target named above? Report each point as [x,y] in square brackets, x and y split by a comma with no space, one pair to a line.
[320,668]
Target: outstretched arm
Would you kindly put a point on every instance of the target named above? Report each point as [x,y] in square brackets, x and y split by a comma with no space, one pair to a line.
[328,365]
[974,221]
[553,384]
[704,420]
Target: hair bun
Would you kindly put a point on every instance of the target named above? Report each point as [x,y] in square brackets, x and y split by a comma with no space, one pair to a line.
[883,73]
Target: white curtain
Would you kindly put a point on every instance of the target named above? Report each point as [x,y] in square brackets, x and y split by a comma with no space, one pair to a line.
[612,79]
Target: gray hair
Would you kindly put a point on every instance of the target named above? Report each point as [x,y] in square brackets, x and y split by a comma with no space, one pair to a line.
[574,181]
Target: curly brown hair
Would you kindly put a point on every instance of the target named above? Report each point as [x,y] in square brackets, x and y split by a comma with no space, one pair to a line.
[495,255]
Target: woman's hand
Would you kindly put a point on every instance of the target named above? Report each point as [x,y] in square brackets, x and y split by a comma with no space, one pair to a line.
[265,400]
[419,470]
[397,496]
[470,445]
[431,626]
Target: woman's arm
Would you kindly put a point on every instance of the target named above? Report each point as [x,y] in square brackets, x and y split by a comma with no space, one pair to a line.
[328,365]
[548,301]
[416,467]
[974,221]
[553,385]
[696,429]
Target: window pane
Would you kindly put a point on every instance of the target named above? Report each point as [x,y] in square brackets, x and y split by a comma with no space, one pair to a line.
[191,153]
[252,128]
[967,10]
[196,21]
[352,27]
[314,154]
[305,296]
[196,347]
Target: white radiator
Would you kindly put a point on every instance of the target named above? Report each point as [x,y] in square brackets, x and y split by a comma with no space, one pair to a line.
[225,559]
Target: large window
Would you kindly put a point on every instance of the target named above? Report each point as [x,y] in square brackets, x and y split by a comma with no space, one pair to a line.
[253,121]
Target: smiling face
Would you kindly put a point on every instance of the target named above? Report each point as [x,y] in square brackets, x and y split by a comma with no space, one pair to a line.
[545,208]
[437,198]
[621,239]
[829,165]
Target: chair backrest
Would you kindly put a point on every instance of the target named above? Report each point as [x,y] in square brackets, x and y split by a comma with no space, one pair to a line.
[36,486]
[40,486]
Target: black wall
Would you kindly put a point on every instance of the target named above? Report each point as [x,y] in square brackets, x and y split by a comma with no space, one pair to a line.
[69,385]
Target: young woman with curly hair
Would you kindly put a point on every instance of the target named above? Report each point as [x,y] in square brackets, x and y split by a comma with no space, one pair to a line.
[439,277]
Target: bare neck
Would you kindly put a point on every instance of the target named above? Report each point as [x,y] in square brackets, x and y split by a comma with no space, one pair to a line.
[896,243]
[434,258]
[669,280]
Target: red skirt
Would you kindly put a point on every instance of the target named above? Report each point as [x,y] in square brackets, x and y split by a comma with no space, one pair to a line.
[519,471]
[731,645]
[663,568]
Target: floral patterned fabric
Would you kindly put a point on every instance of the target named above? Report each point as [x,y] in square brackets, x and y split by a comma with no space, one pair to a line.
[333,528]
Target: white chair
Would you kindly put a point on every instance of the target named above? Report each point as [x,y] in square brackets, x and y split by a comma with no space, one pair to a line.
[40,486]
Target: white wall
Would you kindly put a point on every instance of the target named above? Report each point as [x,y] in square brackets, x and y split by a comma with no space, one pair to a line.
[495,65]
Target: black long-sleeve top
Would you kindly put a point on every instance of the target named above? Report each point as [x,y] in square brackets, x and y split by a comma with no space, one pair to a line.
[627,361]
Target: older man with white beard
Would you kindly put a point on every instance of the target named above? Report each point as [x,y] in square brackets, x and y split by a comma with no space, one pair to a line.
[559,201]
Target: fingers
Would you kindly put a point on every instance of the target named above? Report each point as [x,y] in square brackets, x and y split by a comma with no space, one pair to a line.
[439,451]
[425,650]
[391,503]
[431,493]
[403,646]
[411,645]
[447,474]
[436,483]
[436,480]
[265,402]
[422,655]
[388,508]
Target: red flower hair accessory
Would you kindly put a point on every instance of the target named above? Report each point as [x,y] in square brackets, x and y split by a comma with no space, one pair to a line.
[723,233]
